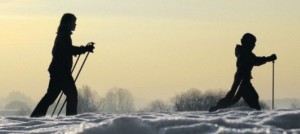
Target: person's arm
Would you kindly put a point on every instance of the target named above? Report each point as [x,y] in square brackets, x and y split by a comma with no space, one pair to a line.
[257,61]
[82,49]
[78,50]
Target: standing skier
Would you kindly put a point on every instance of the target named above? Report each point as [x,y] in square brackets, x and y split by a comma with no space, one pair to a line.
[242,86]
[60,68]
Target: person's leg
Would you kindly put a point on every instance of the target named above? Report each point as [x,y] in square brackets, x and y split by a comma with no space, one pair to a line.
[70,90]
[52,93]
[238,94]
[223,103]
[230,97]
[250,96]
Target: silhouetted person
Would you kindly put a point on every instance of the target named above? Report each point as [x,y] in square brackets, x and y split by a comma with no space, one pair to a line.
[60,68]
[242,86]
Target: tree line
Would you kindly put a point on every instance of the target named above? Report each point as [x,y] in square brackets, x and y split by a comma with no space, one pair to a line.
[120,100]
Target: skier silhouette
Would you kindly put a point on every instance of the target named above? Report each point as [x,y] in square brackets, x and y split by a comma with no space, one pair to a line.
[60,68]
[242,86]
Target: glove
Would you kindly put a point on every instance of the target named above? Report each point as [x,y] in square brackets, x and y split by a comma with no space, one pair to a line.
[272,57]
[90,47]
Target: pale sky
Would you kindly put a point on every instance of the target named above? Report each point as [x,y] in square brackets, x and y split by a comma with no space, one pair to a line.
[154,48]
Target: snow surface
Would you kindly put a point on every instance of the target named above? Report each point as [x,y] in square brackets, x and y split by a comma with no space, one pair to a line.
[231,121]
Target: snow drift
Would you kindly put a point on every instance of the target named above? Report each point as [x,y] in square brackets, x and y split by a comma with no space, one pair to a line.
[236,120]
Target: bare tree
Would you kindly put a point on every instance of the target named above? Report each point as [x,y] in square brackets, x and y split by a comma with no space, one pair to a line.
[21,108]
[294,104]
[158,106]
[19,96]
[194,100]
[118,100]
[188,101]
[88,101]
[24,111]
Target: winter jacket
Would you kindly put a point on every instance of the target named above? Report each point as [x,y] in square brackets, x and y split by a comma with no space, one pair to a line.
[245,62]
[62,53]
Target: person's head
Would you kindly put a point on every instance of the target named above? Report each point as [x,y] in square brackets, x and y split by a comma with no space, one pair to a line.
[248,41]
[67,23]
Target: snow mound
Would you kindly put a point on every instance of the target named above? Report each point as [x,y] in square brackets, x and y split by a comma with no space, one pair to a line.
[235,120]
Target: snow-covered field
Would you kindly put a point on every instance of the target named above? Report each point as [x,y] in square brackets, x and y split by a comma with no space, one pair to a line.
[236,120]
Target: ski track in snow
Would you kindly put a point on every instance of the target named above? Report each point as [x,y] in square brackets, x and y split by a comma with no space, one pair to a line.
[231,121]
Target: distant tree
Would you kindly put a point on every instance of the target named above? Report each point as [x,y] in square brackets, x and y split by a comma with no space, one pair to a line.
[158,106]
[88,101]
[18,96]
[210,98]
[295,104]
[21,107]
[264,105]
[194,100]
[118,100]
[188,101]
[16,105]
[24,111]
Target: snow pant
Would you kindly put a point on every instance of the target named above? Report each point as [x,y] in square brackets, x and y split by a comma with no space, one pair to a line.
[241,89]
[56,85]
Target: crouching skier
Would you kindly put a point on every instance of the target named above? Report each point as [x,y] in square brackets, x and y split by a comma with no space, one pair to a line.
[242,86]
[60,68]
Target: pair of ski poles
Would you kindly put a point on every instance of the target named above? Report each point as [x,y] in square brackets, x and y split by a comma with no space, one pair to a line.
[74,82]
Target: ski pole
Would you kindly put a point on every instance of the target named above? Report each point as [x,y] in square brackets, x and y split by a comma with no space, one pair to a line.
[75,64]
[273,73]
[74,81]
[62,92]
